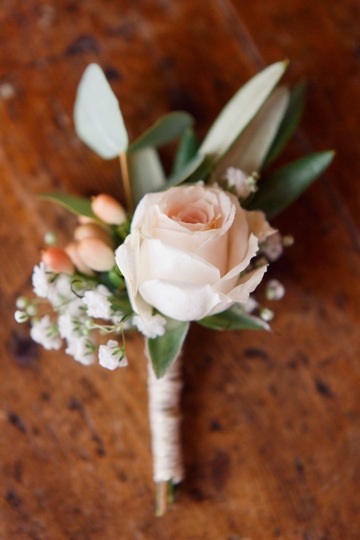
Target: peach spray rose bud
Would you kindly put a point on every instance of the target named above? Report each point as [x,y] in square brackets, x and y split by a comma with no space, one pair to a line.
[108,209]
[91,230]
[58,261]
[96,254]
[72,250]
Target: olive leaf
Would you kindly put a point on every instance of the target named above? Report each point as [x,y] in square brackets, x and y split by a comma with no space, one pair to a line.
[249,150]
[97,116]
[289,123]
[186,150]
[240,110]
[167,129]
[284,186]
[146,172]
[233,319]
[165,349]
[77,205]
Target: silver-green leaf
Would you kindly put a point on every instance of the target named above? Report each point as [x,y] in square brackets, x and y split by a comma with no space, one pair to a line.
[98,119]
[165,349]
[146,173]
[167,129]
[249,150]
[240,110]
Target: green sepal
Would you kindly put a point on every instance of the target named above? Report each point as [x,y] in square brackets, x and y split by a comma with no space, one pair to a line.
[284,186]
[289,123]
[77,205]
[167,129]
[165,349]
[186,150]
[233,319]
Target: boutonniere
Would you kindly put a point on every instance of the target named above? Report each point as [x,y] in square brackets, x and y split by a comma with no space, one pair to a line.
[188,247]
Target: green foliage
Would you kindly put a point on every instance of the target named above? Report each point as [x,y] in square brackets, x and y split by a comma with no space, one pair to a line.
[146,172]
[167,129]
[284,186]
[289,123]
[97,115]
[233,319]
[186,150]
[240,110]
[165,349]
[77,205]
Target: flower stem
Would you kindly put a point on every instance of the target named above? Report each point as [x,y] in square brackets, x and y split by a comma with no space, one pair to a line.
[126,181]
[164,497]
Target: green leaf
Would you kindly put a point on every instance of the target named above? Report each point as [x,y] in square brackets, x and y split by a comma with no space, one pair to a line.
[289,123]
[167,129]
[249,150]
[285,185]
[146,173]
[192,171]
[240,110]
[165,349]
[98,119]
[233,319]
[187,149]
[77,205]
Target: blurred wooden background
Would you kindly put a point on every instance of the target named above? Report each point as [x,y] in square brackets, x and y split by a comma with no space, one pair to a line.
[271,421]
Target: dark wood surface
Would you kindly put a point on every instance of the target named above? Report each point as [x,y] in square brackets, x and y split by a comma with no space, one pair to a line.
[271,421]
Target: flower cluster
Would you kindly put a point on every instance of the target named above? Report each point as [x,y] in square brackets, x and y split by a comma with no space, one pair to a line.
[197,244]
[192,252]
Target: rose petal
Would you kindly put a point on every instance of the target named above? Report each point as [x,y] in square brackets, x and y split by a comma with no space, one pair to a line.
[159,260]
[180,301]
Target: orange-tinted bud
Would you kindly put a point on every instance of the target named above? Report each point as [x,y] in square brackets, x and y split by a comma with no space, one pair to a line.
[108,209]
[96,254]
[72,250]
[58,261]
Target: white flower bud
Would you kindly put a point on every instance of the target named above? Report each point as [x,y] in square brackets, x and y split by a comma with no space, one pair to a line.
[266,314]
[274,290]
[22,302]
[20,316]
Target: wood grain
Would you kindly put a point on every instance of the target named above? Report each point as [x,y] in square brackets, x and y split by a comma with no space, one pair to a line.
[271,421]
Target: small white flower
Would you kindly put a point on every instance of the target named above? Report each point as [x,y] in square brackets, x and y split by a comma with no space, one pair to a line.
[243,184]
[82,349]
[46,333]
[43,281]
[274,290]
[151,327]
[272,248]
[97,302]
[250,305]
[111,356]
[21,316]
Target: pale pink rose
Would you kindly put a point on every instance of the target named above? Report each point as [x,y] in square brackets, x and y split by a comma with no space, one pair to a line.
[187,248]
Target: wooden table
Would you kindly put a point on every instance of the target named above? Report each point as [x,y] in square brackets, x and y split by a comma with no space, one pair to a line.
[271,423]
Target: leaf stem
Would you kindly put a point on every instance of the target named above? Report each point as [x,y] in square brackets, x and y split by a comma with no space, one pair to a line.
[126,180]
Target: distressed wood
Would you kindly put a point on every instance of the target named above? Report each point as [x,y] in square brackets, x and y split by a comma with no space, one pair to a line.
[271,421]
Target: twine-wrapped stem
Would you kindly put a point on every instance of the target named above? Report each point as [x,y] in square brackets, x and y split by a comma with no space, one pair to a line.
[165,418]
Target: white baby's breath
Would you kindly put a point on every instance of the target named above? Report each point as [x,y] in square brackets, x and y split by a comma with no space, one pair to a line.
[98,303]
[151,327]
[45,332]
[43,281]
[82,349]
[111,355]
